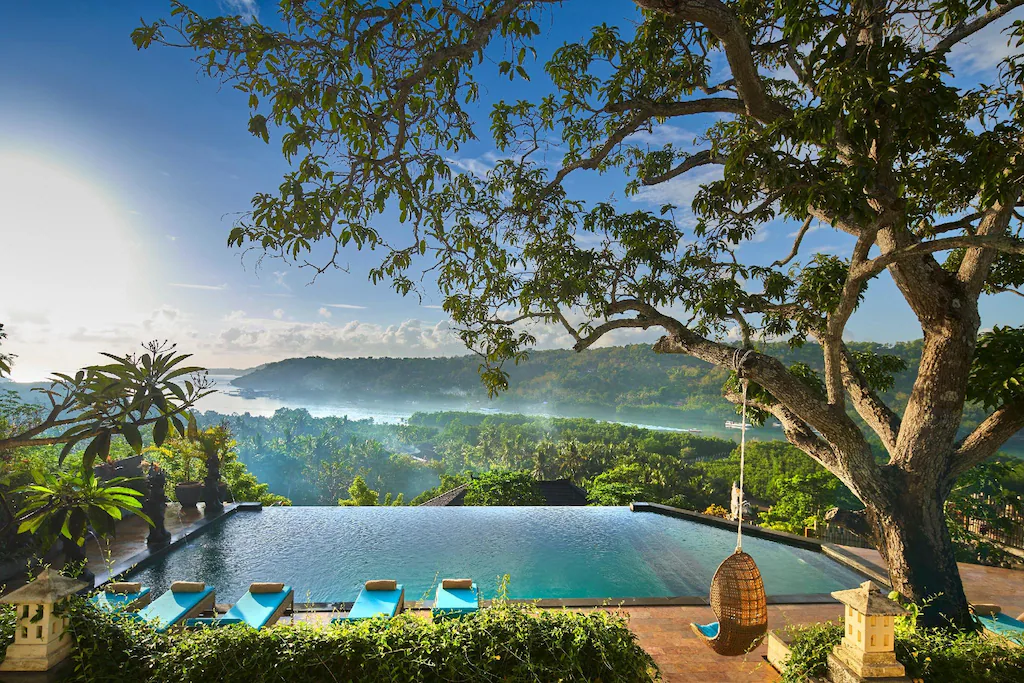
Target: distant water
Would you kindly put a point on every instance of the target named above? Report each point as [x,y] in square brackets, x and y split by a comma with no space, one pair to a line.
[229,401]
[327,553]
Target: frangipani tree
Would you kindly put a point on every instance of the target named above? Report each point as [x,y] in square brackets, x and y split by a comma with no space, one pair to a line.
[92,407]
[843,113]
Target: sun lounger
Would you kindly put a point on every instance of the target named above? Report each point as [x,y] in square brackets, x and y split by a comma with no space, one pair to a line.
[262,605]
[381,598]
[183,601]
[1002,625]
[121,597]
[455,598]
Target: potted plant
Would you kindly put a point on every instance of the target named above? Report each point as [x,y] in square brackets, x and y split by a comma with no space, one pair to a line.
[188,491]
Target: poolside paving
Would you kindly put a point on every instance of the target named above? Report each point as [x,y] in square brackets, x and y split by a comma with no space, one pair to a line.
[663,631]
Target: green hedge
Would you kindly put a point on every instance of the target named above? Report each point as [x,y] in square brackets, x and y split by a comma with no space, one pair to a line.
[934,656]
[502,643]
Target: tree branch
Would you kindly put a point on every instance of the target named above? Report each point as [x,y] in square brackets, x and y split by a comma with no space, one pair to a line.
[835,426]
[998,243]
[977,262]
[966,29]
[702,158]
[796,244]
[986,439]
[880,417]
[722,22]
[708,105]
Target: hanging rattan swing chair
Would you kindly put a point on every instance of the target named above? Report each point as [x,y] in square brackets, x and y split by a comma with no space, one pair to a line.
[737,590]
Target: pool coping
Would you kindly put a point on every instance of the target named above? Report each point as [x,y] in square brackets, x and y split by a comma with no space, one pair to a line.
[146,557]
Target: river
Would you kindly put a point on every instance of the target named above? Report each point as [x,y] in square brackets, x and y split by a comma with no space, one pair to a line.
[228,400]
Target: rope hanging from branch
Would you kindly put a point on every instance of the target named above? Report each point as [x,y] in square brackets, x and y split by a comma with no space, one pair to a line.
[737,590]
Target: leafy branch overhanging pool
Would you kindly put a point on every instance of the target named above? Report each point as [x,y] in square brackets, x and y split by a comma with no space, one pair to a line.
[327,553]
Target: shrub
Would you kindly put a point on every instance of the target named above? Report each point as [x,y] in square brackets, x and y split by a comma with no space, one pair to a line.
[6,628]
[500,487]
[503,643]
[930,655]
[809,651]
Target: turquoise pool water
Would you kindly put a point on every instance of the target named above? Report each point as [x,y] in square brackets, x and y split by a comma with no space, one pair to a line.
[327,553]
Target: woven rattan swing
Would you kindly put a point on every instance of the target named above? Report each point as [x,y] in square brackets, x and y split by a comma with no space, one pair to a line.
[737,591]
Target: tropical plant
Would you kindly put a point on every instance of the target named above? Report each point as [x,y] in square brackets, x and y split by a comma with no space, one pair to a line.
[800,501]
[848,116]
[65,506]
[502,487]
[361,494]
[5,358]
[981,508]
[119,398]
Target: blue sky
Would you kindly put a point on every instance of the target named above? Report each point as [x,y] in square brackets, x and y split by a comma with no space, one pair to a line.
[120,173]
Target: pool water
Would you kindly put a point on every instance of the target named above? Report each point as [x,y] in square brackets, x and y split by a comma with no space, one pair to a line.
[327,553]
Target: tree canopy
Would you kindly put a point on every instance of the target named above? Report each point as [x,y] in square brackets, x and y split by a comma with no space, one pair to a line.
[844,114]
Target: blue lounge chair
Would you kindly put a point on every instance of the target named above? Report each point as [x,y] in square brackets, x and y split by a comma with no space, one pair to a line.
[121,597]
[455,598]
[377,598]
[262,605]
[182,601]
[1003,625]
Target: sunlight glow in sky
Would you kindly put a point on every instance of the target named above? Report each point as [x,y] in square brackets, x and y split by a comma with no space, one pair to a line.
[121,173]
[70,256]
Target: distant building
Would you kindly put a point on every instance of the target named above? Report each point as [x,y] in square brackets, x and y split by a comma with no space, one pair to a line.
[560,492]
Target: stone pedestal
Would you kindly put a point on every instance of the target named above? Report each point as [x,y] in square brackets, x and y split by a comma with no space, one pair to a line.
[778,649]
[839,672]
[41,637]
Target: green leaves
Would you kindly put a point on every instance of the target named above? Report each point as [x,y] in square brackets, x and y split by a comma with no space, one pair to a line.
[67,504]
[102,401]
[997,369]
[879,369]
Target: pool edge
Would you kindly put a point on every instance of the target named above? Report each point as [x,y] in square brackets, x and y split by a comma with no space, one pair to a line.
[832,551]
[146,557]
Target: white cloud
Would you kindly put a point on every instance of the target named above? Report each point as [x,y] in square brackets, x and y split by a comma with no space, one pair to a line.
[679,191]
[662,135]
[814,227]
[985,49]
[185,285]
[247,9]
[349,306]
[325,312]
[278,313]
[275,339]
[279,276]
[760,235]
[433,306]
[474,166]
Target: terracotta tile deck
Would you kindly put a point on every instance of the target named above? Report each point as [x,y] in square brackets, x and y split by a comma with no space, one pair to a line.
[663,631]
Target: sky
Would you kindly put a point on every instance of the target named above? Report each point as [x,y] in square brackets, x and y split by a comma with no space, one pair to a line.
[121,173]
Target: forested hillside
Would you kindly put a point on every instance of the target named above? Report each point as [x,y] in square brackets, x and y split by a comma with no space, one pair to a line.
[625,378]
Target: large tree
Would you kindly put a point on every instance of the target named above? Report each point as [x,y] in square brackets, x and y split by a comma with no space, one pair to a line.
[841,114]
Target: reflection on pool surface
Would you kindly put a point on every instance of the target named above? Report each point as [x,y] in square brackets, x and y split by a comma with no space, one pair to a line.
[327,553]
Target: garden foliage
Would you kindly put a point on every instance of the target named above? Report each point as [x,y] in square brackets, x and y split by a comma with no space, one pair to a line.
[503,643]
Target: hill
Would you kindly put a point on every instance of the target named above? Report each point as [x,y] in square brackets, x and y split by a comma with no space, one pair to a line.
[626,378]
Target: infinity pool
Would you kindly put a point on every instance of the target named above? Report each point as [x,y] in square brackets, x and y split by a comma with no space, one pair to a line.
[327,553]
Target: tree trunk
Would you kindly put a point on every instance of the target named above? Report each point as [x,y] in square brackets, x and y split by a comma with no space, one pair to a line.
[915,543]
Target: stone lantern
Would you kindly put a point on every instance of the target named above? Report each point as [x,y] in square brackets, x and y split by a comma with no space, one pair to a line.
[41,641]
[867,649]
